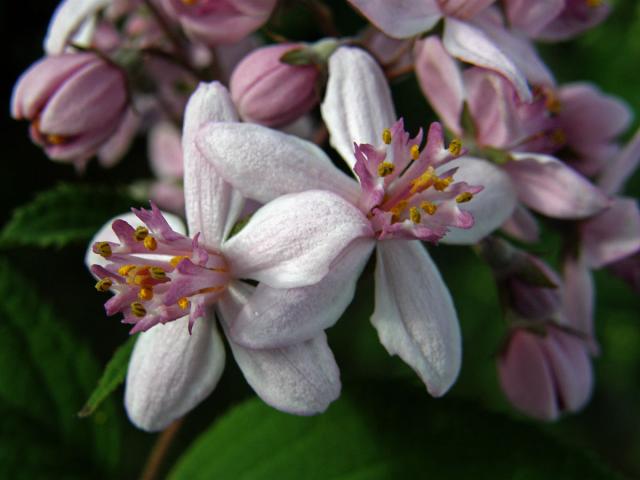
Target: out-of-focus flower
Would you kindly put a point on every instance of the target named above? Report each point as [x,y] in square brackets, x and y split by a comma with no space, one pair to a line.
[160,275]
[165,156]
[76,103]
[271,92]
[414,313]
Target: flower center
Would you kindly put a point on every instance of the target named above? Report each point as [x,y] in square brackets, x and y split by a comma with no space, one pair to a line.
[409,193]
[158,275]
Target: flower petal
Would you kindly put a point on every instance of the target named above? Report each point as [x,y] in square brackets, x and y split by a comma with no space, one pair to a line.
[211,204]
[400,18]
[490,208]
[357,106]
[414,314]
[276,317]
[293,240]
[531,17]
[472,45]
[264,164]
[67,20]
[171,371]
[578,297]
[522,225]
[550,187]
[302,379]
[623,166]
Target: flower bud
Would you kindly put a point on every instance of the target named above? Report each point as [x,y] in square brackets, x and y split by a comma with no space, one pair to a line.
[271,92]
[546,375]
[75,103]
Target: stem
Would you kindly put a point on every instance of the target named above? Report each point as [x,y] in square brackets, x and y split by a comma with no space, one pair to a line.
[159,451]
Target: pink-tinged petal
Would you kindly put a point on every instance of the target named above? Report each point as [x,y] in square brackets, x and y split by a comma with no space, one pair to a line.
[168,196]
[522,225]
[357,106]
[526,378]
[228,56]
[276,317]
[400,18]
[292,241]
[472,45]
[531,17]
[440,80]
[302,379]
[165,151]
[550,187]
[577,17]
[67,19]
[613,234]
[623,166]
[578,297]
[414,314]
[211,204]
[172,371]
[569,360]
[106,234]
[464,9]
[112,151]
[490,208]
[264,164]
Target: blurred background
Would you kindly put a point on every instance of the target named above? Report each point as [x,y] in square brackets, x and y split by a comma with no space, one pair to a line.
[55,338]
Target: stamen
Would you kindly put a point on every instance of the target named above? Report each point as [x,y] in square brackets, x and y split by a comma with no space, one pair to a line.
[455,147]
[103,249]
[176,260]
[464,197]
[190,3]
[593,3]
[145,293]
[125,269]
[552,103]
[184,303]
[150,243]
[423,182]
[558,137]
[157,273]
[54,139]
[414,215]
[141,233]
[415,152]
[429,208]
[104,285]
[441,184]
[399,208]
[138,309]
[386,136]
[385,168]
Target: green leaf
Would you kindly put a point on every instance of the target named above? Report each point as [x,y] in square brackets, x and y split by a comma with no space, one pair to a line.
[46,374]
[113,375]
[65,214]
[380,433]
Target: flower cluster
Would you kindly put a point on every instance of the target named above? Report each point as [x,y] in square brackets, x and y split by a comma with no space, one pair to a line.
[278,234]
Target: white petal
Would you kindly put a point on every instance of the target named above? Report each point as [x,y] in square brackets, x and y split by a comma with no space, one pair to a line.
[67,19]
[277,317]
[170,372]
[105,234]
[357,106]
[491,207]
[211,204]
[302,379]
[292,241]
[400,18]
[264,164]
[414,314]
[470,44]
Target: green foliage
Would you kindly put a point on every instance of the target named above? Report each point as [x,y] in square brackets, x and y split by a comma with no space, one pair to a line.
[65,214]
[46,374]
[111,378]
[383,432]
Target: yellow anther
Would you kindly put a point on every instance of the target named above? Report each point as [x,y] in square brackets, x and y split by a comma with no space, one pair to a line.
[386,168]
[190,3]
[423,182]
[176,260]
[184,303]
[125,269]
[140,233]
[54,139]
[552,103]
[414,215]
[138,309]
[104,285]
[464,197]
[441,184]
[415,152]
[399,208]
[150,243]
[386,136]
[429,208]
[145,293]
[103,249]
[558,137]
[455,147]
[593,3]
[157,273]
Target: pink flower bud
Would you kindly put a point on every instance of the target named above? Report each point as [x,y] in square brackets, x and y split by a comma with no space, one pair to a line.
[530,299]
[75,103]
[546,375]
[271,92]
[219,21]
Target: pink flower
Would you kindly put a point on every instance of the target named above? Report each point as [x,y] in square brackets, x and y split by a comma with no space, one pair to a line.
[76,102]
[414,312]
[165,155]
[160,275]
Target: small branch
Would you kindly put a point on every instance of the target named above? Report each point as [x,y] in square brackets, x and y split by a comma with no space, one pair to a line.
[159,451]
